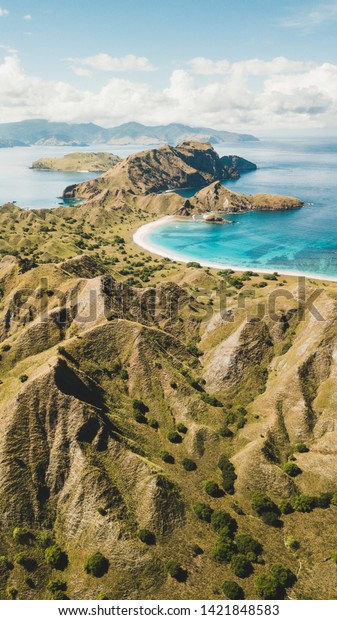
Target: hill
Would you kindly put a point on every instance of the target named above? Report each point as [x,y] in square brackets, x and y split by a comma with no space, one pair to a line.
[91,162]
[164,428]
[39,131]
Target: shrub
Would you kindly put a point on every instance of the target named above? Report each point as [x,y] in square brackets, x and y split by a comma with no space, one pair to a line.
[240,566]
[174,437]
[196,550]
[233,591]
[22,535]
[97,565]
[247,544]
[153,423]
[212,488]
[189,465]
[291,469]
[211,400]
[292,543]
[266,509]
[11,593]
[5,565]
[225,431]
[124,374]
[334,499]
[221,520]
[56,585]
[181,427]
[223,551]
[6,347]
[203,512]
[139,406]
[55,557]
[139,417]
[323,500]
[286,507]
[268,587]
[23,378]
[166,457]
[303,503]
[284,576]
[45,539]
[176,571]
[301,447]
[228,477]
[26,561]
[173,385]
[146,537]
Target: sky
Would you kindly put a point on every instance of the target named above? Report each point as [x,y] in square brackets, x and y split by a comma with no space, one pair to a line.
[256,66]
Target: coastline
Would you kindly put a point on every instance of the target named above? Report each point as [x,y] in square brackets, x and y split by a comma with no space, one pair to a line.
[140,238]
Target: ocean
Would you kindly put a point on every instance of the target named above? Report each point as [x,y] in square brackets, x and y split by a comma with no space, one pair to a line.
[303,240]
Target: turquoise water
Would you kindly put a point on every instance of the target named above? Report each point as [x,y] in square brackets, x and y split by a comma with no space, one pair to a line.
[303,240]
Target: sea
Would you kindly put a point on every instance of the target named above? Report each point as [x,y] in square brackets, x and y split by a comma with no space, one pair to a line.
[303,240]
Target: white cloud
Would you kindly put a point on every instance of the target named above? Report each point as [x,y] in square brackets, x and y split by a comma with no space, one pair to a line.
[27,17]
[308,21]
[252,96]
[205,66]
[105,62]
[4,12]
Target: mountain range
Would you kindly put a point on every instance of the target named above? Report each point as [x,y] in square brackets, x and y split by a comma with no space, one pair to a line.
[42,132]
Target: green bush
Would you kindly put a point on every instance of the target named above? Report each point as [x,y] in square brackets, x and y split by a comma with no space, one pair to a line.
[203,512]
[211,400]
[212,488]
[166,457]
[139,417]
[55,557]
[292,543]
[240,566]
[5,565]
[268,587]
[221,520]
[153,423]
[247,544]
[189,465]
[228,476]
[291,469]
[266,509]
[233,591]
[139,406]
[146,537]
[22,535]
[284,576]
[23,378]
[301,447]
[225,431]
[45,539]
[11,593]
[323,500]
[26,561]
[286,507]
[181,428]
[174,437]
[56,585]
[97,565]
[176,571]
[334,499]
[303,503]
[196,550]
[223,551]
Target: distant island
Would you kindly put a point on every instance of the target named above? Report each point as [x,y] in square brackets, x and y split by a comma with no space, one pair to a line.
[42,132]
[77,162]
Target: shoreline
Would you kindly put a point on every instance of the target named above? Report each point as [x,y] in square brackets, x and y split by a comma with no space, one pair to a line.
[140,238]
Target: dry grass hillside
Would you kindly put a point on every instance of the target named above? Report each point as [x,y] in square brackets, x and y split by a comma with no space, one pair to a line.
[156,442]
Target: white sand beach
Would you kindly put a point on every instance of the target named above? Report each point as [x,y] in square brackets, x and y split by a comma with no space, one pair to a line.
[140,237]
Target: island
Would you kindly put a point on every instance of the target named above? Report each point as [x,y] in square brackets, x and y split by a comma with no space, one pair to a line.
[78,162]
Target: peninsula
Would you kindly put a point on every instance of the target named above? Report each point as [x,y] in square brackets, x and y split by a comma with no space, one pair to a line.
[86,162]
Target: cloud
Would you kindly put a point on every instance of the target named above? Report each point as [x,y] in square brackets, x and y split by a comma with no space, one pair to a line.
[27,17]
[205,66]
[252,96]
[309,21]
[4,12]
[105,62]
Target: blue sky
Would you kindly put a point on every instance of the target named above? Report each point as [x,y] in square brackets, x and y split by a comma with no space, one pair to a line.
[259,65]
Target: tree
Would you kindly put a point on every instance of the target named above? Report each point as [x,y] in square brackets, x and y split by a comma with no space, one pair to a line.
[189,465]
[146,536]
[167,457]
[291,469]
[223,551]
[222,520]
[284,576]
[181,428]
[97,565]
[233,591]
[55,557]
[174,437]
[303,503]
[240,566]
[247,544]
[212,488]
[203,511]
[268,587]
[176,571]
[266,509]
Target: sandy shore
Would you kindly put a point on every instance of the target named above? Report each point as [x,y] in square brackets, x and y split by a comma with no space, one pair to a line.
[140,237]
